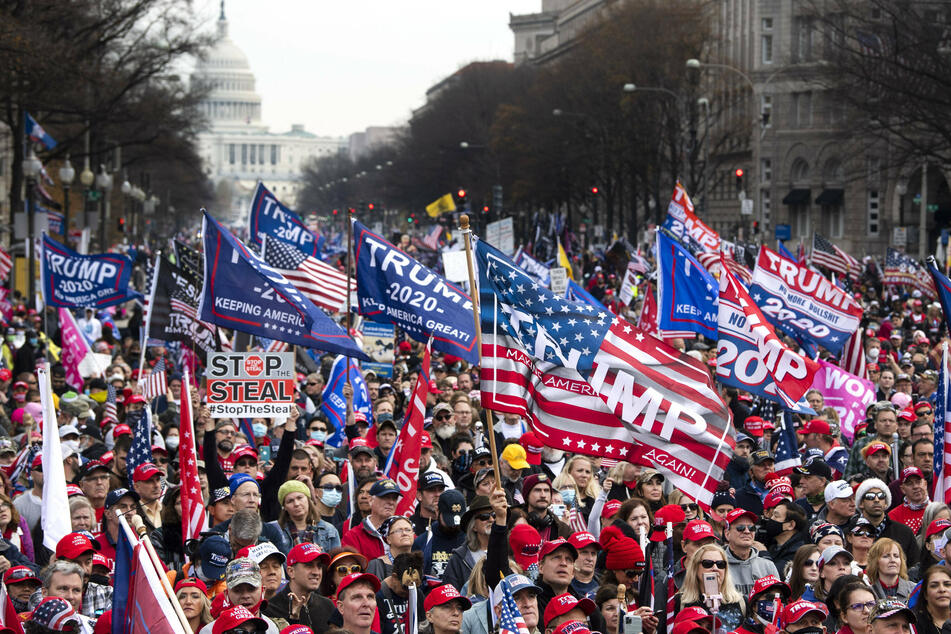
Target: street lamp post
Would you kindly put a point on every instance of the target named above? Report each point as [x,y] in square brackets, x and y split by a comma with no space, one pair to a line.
[66,175]
[104,183]
[31,169]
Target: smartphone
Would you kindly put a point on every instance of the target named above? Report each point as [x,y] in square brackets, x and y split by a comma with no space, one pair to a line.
[632,623]
[711,587]
[264,453]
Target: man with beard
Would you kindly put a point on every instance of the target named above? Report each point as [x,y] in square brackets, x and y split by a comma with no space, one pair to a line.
[21,583]
[362,459]
[245,588]
[443,426]
[553,461]
[219,445]
[511,466]
[431,486]
[427,464]
[444,536]
[477,525]
[536,491]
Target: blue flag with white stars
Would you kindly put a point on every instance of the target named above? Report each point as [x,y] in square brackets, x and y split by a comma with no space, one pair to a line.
[686,292]
[243,293]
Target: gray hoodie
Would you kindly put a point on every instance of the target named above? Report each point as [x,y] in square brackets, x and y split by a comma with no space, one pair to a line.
[745,573]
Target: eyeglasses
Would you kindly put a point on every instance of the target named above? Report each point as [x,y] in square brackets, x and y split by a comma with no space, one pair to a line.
[868,497]
[482,517]
[925,412]
[811,562]
[227,433]
[745,528]
[863,534]
[162,461]
[312,383]
[710,563]
[398,531]
[323,429]
[862,607]
[692,508]
[349,570]
[332,487]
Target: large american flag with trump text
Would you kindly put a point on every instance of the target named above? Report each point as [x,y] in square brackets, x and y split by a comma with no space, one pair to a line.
[592,383]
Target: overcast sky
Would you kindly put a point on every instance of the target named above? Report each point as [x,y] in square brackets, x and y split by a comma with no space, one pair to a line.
[338,66]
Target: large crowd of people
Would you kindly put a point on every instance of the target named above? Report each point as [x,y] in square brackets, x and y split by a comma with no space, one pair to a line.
[851,541]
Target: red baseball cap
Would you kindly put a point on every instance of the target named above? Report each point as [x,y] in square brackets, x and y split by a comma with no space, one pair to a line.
[798,609]
[21,385]
[72,491]
[444,594]
[351,579]
[5,375]
[583,540]
[922,405]
[816,426]
[754,425]
[242,452]
[297,629]
[233,617]
[565,603]
[145,471]
[937,526]
[359,417]
[736,514]
[19,574]
[875,447]
[533,448]
[98,559]
[135,398]
[696,614]
[121,430]
[908,414]
[573,627]
[697,530]
[552,545]
[73,545]
[769,581]
[611,507]
[192,582]
[305,553]
[773,498]
[427,441]
[909,472]
[671,513]
[433,388]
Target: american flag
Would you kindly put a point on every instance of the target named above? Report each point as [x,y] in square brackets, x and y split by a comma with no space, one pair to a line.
[56,612]
[576,518]
[23,461]
[109,410]
[787,449]
[903,269]
[826,254]
[6,264]
[141,450]
[193,505]
[563,365]
[154,384]
[321,283]
[272,345]
[853,355]
[510,618]
[942,432]
[711,261]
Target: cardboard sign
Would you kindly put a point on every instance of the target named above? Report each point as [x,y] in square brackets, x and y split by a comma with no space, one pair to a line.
[501,235]
[378,342]
[559,280]
[250,384]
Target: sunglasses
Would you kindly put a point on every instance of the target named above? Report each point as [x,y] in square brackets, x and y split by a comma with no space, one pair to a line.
[693,508]
[811,562]
[162,461]
[323,429]
[631,574]
[485,516]
[349,570]
[709,563]
[863,534]
[746,528]
[312,383]
[868,497]
[332,487]
[925,412]
[442,417]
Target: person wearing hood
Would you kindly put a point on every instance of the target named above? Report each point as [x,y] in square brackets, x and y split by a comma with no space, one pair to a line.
[746,564]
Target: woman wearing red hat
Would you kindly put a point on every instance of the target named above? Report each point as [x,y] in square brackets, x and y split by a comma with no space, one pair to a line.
[191,594]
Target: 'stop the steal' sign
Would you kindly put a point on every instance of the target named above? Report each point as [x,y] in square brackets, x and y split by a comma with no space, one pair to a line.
[250,384]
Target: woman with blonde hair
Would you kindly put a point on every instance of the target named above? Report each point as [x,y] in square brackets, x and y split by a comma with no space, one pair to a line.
[581,468]
[192,595]
[887,572]
[711,558]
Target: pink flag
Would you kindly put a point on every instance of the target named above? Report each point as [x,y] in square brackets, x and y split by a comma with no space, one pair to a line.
[149,610]
[193,506]
[75,347]
[845,392]
[403,462]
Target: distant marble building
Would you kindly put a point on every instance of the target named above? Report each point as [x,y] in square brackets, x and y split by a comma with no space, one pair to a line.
[237,148]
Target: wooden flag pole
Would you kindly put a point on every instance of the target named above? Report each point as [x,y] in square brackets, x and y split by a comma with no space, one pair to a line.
[466,239]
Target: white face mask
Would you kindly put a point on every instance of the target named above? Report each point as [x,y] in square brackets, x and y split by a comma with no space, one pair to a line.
[171,443]
[873,354]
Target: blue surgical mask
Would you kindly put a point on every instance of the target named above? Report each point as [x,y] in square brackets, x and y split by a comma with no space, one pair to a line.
[331,498]
[260,430]
[568,496]
[319,436]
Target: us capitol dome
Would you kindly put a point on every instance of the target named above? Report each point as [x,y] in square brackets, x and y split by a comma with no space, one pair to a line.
[237,149]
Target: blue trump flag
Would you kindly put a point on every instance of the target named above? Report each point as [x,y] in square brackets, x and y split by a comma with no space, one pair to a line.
[123,581]
[36,133]
[334,405]
[271,218]
[686,292]
[394,288]
[243,293]
[73,280]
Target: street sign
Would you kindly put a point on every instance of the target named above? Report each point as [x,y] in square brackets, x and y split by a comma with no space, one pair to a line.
[900,236]
[558,277]
[501,235]
[783,232]
[250,384]
[746,206]
[455,265]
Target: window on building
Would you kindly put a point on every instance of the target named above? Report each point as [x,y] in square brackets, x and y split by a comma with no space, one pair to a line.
[244,153]
[802,39]
[766,43]
[799,219]
[766,110]
[799,173]
[802,109]
[254,152]
[833,220]
[764,200]
[765,170]
[274,154]
[231,153]
[261,153]
[873,208]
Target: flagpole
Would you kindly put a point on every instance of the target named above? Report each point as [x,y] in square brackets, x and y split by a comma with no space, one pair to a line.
[466,239]
[141,530]
[349,264]
[148,319]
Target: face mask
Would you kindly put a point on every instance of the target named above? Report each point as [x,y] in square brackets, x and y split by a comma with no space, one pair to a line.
[873,355]
[19,397]
[319,436]
[260,430]
[919,368]
[765,610]
[772,528]
[331,498]
[171,443]
[383,417]
[568,495]
[558,510]
[810,630]
[72,445]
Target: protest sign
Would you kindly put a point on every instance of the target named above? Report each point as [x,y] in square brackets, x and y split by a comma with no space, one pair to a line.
[250,384]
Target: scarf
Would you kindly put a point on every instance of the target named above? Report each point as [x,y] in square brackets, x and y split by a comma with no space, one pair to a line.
[916,507]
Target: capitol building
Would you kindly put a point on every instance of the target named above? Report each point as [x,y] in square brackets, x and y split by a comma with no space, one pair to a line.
[238,150]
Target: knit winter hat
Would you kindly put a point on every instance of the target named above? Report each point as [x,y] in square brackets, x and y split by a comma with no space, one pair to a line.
[873,483]
[291,486]
[621,552]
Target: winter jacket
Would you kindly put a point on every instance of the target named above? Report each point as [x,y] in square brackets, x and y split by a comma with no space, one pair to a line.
[902,592]
[745,572]
[459,567]
[364,539]
[315,614]
[323,534]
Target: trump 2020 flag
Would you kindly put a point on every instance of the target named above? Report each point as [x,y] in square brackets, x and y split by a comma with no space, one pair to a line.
[334,405]
[802,303]
[242,292]
[662,409]
[750,355]
[72,280]
[35,132]
[686,292]
[271,218]
[394,288]
[684,224]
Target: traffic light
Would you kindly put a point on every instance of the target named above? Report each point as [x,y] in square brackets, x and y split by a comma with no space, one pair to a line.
[485,209]
[352,210]
[738,172]
[120,226]
[461,197]
[370,206]
[594,190]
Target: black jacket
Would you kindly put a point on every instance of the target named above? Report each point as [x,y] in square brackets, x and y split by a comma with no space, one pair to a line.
[315,614]
[782,554]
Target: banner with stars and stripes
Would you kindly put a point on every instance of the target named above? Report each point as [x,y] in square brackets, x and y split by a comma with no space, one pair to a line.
[594,384]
